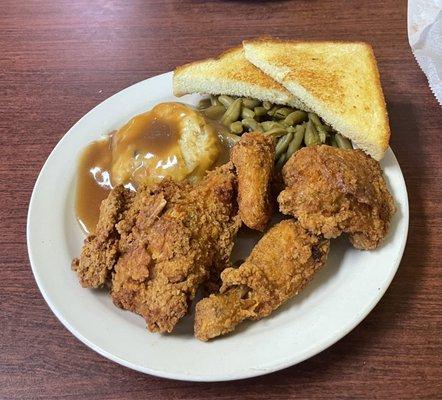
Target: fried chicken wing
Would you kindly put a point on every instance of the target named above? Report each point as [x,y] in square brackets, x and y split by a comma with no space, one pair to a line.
[253,157]
[279,266]
[331,190]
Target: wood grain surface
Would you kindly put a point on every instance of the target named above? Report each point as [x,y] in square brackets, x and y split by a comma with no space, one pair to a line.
[58,59]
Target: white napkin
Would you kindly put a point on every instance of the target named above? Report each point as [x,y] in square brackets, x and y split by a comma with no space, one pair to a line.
[425,38]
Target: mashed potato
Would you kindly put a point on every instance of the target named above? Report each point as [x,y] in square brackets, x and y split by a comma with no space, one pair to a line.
[171,140]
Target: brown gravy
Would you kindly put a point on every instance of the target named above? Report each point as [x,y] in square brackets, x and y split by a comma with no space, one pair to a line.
[146,143]
[93,182]
[147,134]
[140,147]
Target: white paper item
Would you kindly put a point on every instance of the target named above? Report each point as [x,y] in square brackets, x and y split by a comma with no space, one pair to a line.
[425,38]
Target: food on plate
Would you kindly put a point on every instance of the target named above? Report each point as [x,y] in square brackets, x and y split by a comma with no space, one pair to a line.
[290,113]
[279,266]
[253,159]
[171,140]
[332,190]
[163,245]
[337,83]
[337,80]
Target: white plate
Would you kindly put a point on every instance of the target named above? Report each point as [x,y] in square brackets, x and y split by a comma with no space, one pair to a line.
[338,298]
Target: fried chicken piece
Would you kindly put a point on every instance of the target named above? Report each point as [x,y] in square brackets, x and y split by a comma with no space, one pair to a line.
[253,157]
[100,250]
[331,190]
[279,266]
[170,239]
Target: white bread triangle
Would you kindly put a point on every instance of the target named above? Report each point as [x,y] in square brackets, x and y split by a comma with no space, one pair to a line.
[230,74]
[337,80]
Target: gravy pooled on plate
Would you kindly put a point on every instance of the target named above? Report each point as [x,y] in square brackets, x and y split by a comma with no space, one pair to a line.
[93,182]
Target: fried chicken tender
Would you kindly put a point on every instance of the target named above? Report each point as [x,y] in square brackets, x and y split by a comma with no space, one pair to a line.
[279,266]
[100,250]
[331,190]
[253,157]
[170,238]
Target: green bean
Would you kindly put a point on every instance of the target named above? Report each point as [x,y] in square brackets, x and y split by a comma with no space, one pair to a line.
[247,113]
[295,117]
[342,142]
[282,112]
[296,142]
[281,161]
[282,144]
[328,128]
[267,105]
[271,112]
[225,100]
[267,125]
[252,125]
[214,101]
[323,134]
[260,111]
[311,136]
[314,118]
[251,103]
[236,127]
[214,112]
[204,103]
[232,113]
[276,132]
[231,136]
[333,142]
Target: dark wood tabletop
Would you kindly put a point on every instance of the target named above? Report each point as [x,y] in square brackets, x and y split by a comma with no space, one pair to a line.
[58,59]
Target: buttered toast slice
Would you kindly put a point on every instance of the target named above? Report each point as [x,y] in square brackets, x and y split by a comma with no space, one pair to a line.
[233,75]
[337,80]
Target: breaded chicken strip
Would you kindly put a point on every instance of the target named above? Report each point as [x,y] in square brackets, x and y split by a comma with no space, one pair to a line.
[331,190]
[100,250]
[170,239]
[279,266]
[253,157]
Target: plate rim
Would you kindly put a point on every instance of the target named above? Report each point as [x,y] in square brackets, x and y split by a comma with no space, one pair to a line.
[246,373]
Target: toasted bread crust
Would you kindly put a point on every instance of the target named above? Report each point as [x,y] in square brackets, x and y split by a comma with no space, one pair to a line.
[385,139]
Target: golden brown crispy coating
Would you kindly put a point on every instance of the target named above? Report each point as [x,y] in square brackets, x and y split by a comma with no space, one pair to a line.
[170,239]
[253,157]
[332,190]
[100,250]
[161,243]
[279,266]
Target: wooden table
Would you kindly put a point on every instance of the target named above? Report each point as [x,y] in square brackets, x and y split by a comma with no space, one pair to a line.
[58,59]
